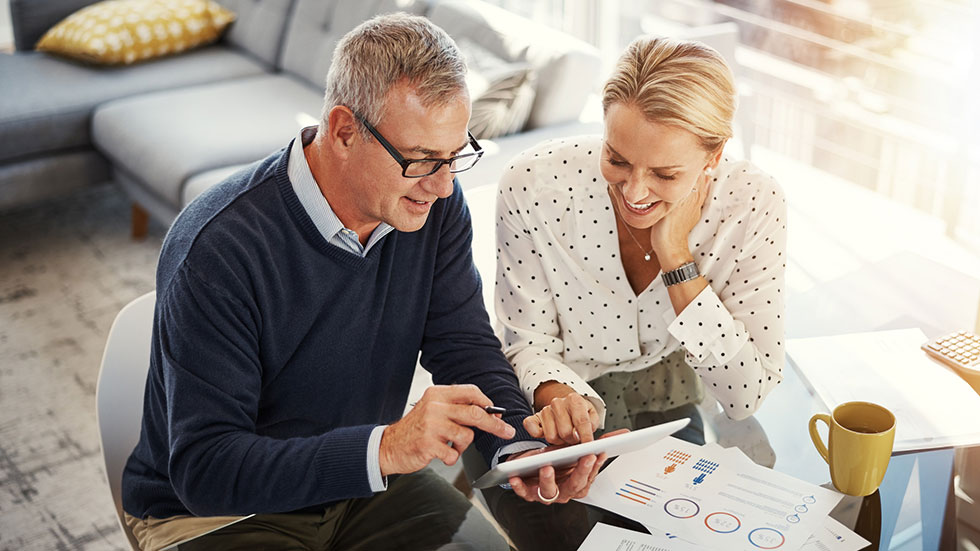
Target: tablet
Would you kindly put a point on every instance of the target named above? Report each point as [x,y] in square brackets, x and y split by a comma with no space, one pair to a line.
[562,457]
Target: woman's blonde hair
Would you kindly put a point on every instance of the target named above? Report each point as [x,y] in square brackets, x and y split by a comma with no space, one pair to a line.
[679,83]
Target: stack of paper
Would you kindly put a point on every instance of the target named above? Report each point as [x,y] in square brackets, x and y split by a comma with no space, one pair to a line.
[717,498]
[933,406]
[604,537]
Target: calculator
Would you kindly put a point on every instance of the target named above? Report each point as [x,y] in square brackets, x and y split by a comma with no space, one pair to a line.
[960,350]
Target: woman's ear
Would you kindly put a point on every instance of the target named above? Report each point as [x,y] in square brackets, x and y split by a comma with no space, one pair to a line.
[714,158]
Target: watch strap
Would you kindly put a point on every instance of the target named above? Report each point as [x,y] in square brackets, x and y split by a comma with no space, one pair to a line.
[686,272]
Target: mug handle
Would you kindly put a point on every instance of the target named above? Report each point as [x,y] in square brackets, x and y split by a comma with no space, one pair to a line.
[815,436]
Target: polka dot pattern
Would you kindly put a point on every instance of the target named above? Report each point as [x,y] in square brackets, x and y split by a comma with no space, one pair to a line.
[566,311]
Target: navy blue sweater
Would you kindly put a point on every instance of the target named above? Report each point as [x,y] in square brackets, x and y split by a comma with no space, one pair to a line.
[275,354]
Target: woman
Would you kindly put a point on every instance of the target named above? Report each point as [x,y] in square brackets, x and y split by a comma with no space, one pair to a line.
[638,268]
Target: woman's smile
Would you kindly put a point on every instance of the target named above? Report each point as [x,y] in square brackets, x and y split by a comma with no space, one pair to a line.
[640,208]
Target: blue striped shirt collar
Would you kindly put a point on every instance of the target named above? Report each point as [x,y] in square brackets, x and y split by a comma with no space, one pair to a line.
[317,206]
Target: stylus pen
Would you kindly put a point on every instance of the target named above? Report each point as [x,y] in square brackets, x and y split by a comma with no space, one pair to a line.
[489,409]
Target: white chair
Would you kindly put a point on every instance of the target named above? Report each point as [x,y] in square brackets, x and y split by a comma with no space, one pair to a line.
[119,394]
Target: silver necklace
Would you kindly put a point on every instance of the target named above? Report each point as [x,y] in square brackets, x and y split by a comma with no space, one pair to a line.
[646,254]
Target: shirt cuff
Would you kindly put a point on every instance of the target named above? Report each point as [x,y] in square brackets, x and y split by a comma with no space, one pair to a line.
[705,328]
[516,447]
[378,483]
[510,449]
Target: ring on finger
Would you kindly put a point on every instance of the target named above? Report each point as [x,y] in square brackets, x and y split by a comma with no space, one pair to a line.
[548,500]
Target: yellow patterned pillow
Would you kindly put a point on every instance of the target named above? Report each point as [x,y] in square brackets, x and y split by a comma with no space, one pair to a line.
[126,31]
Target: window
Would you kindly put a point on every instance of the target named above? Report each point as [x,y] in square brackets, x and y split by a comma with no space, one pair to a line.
[879,93]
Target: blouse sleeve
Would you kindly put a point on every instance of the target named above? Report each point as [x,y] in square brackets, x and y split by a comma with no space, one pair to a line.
[526,314]
[733,330]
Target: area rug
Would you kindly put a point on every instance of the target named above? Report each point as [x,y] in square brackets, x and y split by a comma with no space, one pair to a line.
[66,269]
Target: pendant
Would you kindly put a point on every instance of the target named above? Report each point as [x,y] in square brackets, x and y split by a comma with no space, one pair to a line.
[646,257]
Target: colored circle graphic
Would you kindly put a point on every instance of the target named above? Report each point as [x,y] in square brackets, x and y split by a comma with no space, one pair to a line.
[680,507]
[766,538]
[723,523]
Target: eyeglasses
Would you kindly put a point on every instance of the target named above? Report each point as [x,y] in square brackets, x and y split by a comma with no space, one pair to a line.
[418,168]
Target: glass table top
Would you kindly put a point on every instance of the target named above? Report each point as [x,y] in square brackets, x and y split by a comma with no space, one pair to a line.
[913,508]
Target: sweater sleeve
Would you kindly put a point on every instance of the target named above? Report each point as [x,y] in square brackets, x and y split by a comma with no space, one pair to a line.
[459,346]
[212,374]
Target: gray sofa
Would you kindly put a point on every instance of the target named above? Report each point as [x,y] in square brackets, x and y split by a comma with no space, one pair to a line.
[168,129]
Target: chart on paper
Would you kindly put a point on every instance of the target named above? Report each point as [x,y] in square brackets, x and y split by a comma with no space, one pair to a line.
[711,497]
[639,492]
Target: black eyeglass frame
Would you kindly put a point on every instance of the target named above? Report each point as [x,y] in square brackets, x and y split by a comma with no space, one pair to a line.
[406,163]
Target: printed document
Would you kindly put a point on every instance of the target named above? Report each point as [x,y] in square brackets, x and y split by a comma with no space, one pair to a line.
[712,497]
[604,537]
[834,536]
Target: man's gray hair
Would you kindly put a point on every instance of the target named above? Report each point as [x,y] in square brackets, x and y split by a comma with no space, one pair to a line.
[385,50]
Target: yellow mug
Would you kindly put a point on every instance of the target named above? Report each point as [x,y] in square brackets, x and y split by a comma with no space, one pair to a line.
[861,435]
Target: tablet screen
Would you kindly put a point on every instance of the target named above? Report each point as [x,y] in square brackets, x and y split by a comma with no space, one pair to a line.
[561,457]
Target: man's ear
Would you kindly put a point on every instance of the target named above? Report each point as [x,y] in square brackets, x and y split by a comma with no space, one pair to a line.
[342,130]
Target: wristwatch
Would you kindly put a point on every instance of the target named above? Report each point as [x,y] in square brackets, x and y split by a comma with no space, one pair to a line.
[686,272]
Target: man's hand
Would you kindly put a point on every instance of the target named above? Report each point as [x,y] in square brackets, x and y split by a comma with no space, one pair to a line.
[568,419]
[438,427]
[562,486]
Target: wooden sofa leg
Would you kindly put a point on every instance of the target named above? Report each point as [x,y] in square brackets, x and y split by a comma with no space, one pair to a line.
[141,221]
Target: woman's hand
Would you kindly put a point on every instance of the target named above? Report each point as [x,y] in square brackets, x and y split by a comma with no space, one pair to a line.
[568,417]
[668,236]
[562,486]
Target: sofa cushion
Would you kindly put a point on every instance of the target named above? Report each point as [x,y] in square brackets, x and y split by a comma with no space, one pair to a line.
[47,102]
[258,27]
[501,92]
[315,26]
[567,68]
[162,139]
[199,183]
[128,31]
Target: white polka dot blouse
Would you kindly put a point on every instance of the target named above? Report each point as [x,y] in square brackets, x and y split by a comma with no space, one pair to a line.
[566,312]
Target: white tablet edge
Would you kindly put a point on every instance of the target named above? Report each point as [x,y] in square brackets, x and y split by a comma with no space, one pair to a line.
[636,440]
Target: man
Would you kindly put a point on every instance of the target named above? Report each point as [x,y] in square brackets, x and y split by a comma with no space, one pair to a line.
[292,302]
